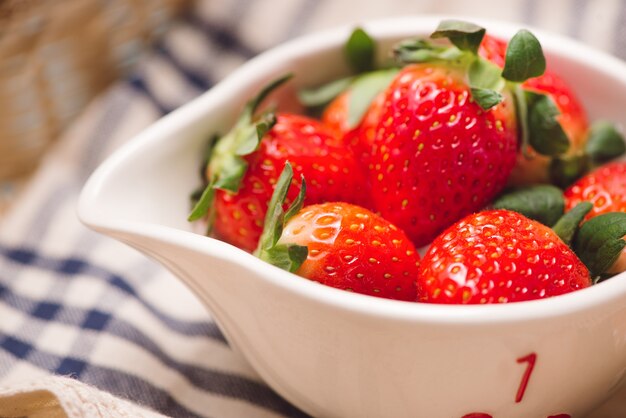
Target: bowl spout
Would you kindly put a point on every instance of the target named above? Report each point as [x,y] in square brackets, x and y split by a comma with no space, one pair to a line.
[219,281]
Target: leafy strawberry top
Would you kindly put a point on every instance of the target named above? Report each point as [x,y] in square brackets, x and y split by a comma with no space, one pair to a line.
[225,164]
[537,113]
[365,84]
[286,256]
[524,59]
[598,242]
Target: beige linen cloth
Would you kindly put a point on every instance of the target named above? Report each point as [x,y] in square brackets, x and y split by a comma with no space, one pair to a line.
[61,397]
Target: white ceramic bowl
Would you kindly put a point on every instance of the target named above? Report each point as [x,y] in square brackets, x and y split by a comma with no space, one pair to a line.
[337,354]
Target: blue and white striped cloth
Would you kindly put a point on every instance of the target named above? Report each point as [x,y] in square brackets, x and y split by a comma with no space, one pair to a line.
[79,304]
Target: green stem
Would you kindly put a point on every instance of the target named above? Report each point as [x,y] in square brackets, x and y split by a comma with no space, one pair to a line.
[522,117]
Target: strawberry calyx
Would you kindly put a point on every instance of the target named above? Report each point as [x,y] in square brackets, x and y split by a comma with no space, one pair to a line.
[360,51]
[286,256]
[365,84]
[569,224]
[543,203]
[363,88]
[524,59]
[600,241]
[466,36]
[604,143]
[225,164]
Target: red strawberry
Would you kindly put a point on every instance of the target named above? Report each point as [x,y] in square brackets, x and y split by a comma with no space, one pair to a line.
[314,151]
[438,155]
[353,249]
[573,118]
[498,256]
[605,188]
[493,49]
[244,164]
[361,137]
[348,247]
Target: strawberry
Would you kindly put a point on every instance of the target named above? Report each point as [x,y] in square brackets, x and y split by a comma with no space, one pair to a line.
[314,151]
[244,165]
[447,138]
[437,154]
[345,246]
[498,256]
[605,188]
[535,168]
[360,137]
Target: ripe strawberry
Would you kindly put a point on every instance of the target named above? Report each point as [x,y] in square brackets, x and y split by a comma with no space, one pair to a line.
[437,154]
[353,249]
[361,137]
[315,152]
[348,247]
[572,117]
[498,256]
[243,166]
[605,188]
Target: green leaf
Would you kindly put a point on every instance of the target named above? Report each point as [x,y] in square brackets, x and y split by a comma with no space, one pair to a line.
[223,162]
[206,155]
[286,256]
[485,75]
[600,241]
[231,174]
[320,96]
[563,171]
[360,51]
[524,58]
[419,50]
[543,203]
[605,142]
[203,204]
[464,35]
[363,92]
[486,98]
[274,217]
[546,135]
[567,227]
[252,105]
[485,83]
[297,204]
[521,107]
[297,255]
[252,136]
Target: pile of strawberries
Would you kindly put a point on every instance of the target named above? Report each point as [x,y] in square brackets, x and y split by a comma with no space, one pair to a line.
[464,145]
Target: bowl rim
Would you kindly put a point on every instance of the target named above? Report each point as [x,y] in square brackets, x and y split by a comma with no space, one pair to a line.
[265,64]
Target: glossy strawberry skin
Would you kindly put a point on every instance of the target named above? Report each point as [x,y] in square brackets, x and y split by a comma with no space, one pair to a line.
[361,137]
[331,170]
[437,155]
[573,117]
[353,249]
[498,256]
[604,187]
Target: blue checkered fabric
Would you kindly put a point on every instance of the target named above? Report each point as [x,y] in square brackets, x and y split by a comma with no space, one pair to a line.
[77,304]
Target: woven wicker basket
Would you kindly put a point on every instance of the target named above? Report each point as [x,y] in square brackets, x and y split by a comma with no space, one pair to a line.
[55,55]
